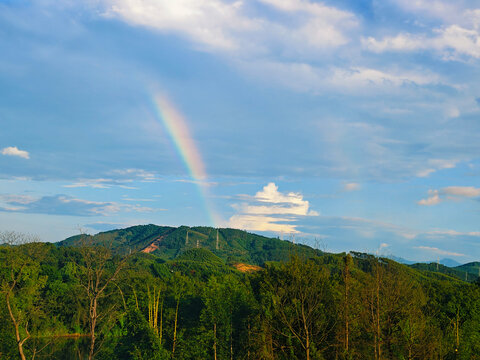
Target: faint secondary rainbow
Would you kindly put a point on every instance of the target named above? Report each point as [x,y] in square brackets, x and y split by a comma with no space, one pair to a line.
[179,132]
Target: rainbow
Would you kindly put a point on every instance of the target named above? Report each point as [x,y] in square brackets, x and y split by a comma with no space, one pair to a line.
[179,132]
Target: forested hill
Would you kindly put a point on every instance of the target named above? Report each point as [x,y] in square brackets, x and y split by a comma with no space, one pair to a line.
[233,246]
[177,301]
[168,242]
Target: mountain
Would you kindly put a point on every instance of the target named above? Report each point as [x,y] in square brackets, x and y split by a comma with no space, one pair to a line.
[234,247]
[446,262]
[401,260]
[458,272]
[167,243]
[471,268]
[450,262]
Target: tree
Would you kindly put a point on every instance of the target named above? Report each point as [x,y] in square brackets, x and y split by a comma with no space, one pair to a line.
[178,286]
[296,297]
[227,307]
[140,342]
[20,283]
[393,314]
[99,270]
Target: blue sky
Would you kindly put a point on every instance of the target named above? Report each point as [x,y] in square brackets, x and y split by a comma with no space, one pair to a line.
[352,125]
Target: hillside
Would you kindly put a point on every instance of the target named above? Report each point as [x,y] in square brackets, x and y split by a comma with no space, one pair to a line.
[471,268]
[211,296]
[462,272]
[165,242]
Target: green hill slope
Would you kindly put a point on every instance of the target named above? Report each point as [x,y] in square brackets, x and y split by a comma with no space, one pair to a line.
[471,268]
[463,272]
[167,243]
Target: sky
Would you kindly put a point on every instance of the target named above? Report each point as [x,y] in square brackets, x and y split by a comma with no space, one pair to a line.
[345,125]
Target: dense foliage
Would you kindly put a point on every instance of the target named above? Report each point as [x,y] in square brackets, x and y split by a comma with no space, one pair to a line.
[87,300]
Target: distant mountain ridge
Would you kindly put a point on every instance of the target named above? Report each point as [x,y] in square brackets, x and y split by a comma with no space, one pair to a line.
[446,262]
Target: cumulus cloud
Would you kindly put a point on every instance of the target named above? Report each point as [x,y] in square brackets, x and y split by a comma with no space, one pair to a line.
[260,212]
[14,151]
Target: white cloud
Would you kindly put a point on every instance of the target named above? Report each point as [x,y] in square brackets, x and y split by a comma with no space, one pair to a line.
[445,10]
[401,42]
[303,77]
[324,25]
[14,151]
[258,212]
[128,175]
[209,23]
[351,186]
[230,26]
[381,247]
[433,199]
[435,165]
[262,223]
[280,49]
[450,193]
[361,77]
[438,251]
[452,233]
[92,183]
[463,191]
[66,205]
[452,42]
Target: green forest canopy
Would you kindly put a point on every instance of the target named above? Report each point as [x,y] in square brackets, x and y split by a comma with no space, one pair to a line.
[102,297]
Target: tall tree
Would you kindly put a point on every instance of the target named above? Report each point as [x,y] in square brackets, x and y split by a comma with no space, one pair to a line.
[99,271]
[297,295]
[178,286]
[20,283]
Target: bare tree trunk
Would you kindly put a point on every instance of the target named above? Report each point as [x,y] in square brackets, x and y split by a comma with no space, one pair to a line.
[20,341]
[93,324]
[457,337]
[175,329]
[307,334]
[161,323]
[371,301]
[215,341]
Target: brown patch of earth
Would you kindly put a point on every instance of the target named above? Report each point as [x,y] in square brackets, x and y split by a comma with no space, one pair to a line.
[153,246]
[246,267]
